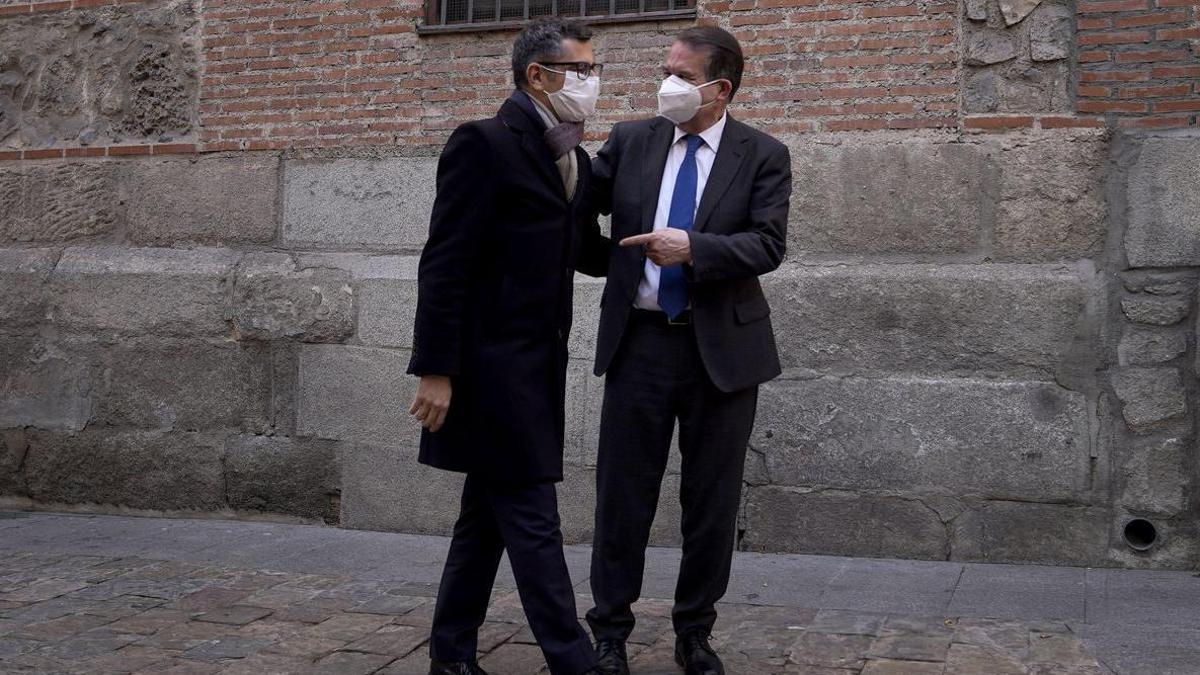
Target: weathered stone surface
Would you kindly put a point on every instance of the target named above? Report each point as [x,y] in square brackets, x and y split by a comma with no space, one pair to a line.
[140,291]
[577,508]
[927,318]
[23,275]
[1015,440]
[129,73]
[1050,534]
[1150,397]
[135,469]
[207,200]
[58,202]
[299,477]
[987,47]
[13,448]
[841,523]
[370,203]
[1164,206]
[40,386]
[358,394]
[977,10]
[1155,478]
[184,385]
[384,488]
[387,302]
[1052,203]
[1051,32]
[273,300]
[845,196]
[1155,311]
[1147,346]
[1016,10]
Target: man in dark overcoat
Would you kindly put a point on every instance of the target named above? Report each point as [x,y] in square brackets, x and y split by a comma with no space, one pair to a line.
[490,342]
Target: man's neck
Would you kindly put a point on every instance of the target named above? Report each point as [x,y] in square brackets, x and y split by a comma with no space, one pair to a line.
[541,99]
[698,124]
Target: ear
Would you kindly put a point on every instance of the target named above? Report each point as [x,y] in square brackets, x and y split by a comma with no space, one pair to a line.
[535,76]
[725,90]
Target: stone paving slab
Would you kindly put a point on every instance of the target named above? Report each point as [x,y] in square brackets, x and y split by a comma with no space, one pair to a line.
[145,605]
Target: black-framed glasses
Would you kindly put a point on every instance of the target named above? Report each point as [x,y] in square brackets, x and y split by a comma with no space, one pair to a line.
[582,69]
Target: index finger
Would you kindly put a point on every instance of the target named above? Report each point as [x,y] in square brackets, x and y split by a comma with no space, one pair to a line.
[636,240]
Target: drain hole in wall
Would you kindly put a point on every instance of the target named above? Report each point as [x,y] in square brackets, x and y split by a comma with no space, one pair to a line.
[1140,534]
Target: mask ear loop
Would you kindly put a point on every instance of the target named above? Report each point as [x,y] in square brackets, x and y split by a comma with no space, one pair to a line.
[701,86]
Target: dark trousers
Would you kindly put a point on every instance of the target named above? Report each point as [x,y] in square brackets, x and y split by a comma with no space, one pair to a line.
[656,379]
[522,520]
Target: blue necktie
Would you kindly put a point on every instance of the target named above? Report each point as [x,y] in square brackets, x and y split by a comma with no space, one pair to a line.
[672,287]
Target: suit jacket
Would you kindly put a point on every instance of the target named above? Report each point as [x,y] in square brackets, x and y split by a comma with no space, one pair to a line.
[739,233]
[494,296]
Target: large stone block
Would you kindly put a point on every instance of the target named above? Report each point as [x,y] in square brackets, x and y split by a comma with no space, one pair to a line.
[1052,201]
[1048,534]
[59,202]
[1018,319]
[1164,205]
[181,385]
[108,72]
[23,293]
[273,300]
[299,477]
[358,394]
[214,199]
[368,203]
[793,520]
[43,387]
[13,449]
[1156,478]
[900,195]
[1151,398]
[387,300]
[1147,346]
[141,291]
[1015,440]
[134,469]
[384,488]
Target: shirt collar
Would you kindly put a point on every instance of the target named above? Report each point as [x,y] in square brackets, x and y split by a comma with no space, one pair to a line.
[711,135]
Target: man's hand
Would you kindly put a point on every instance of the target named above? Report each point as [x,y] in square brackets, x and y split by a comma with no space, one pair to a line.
[432,401]
[665,248]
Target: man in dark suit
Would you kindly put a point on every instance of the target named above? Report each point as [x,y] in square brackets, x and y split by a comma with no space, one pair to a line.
[490,343]
[699,205]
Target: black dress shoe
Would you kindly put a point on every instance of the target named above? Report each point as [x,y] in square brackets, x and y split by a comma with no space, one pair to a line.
[611,658]
[696,657]
[455,668]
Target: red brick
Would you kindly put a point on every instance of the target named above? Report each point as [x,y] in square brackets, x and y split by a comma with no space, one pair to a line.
[1113,107]
[1156,55]
[1175,91]
[1064,122]
[1149,19]
[999,122]
[48,153]
[1112,38]
[1177,106]
[1113,6]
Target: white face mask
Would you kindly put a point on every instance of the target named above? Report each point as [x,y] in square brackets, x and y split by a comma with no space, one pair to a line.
[576,101]
[680,100]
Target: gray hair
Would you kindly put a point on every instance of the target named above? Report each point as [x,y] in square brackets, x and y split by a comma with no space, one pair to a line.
[542,40]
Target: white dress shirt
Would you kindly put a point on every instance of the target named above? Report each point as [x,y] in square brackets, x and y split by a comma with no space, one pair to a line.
[647,294]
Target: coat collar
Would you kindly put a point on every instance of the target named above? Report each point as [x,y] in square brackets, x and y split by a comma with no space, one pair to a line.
[518,114]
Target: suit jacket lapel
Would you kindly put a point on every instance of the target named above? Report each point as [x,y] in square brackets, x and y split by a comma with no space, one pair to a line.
[725,167]
[657,148]
[532,143]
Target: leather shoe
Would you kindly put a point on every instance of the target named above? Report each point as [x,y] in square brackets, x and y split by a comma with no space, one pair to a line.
[455,668]
[696,656]
[611,658]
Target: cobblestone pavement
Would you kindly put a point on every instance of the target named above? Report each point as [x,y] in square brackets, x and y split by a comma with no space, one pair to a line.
[63,612]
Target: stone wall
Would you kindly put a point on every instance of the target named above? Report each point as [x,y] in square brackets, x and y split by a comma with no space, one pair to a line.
[988,325]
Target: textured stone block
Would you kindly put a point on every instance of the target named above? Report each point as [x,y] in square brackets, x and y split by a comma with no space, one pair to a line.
[384,488]
[1164,205]
[846,197]
[1155,311]
[359,394]
[183,385]
[299,477]
[273,300]
[1145,346]
[1052,200]
[59,202]
[140,291]
[23,293]
[1049,534]
[42,387]
[1151,398]
[134,469]
[927,318]
[215,199]
[1155,477]
[1051,33]
[387,301]
[842,523]
[1016,440]
[370,203]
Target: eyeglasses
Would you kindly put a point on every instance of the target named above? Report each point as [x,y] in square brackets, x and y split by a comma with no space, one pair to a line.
[582,69]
